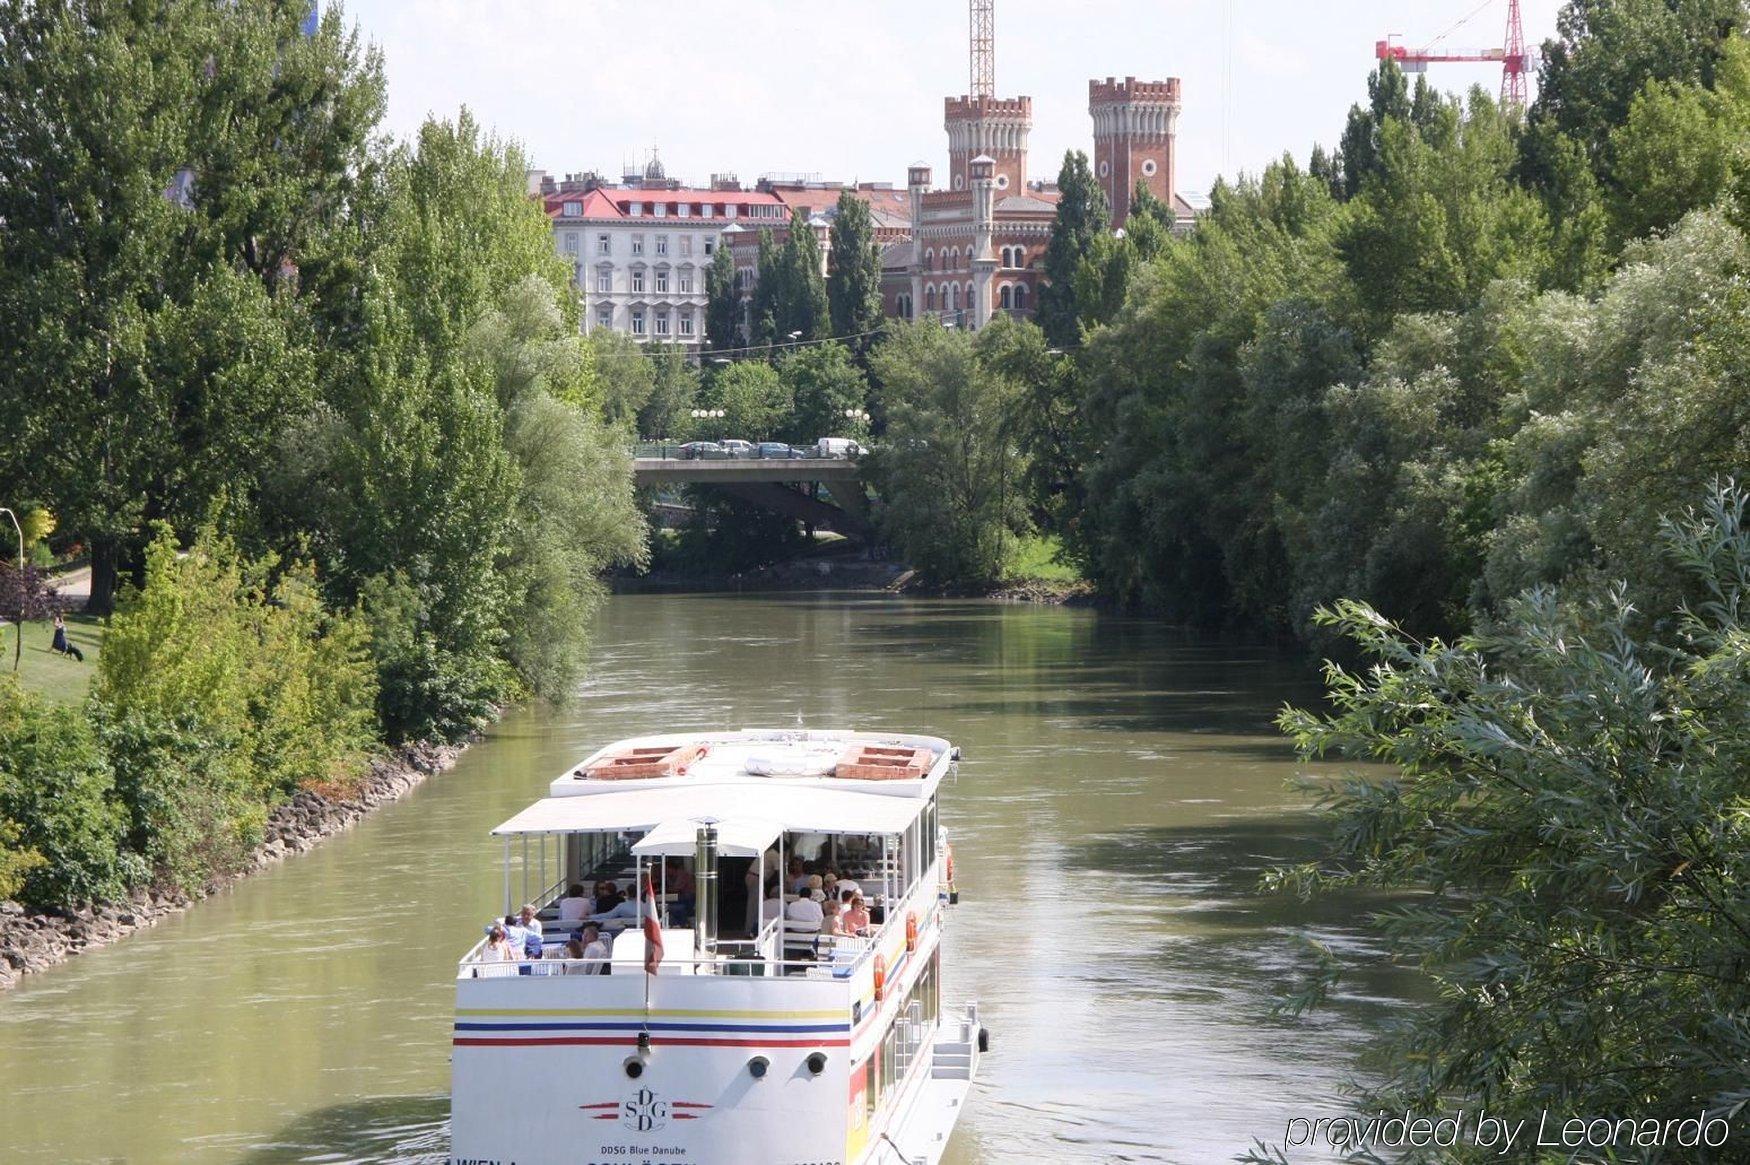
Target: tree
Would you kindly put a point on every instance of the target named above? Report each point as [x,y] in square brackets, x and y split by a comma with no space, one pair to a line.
[143,284]
[948,473]
[1388,99]
[803,312]
[1604,53]
[1082,218]
[1681,145]
[853,282]
[674,388]
[723,303]
[1563,807]
[626,375]
[770,290]
[822,383]
[754,398]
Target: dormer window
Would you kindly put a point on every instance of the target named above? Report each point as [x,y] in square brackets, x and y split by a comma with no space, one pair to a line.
[635,209]
[573,210]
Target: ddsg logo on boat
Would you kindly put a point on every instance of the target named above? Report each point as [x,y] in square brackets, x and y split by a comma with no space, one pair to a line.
[644,1113]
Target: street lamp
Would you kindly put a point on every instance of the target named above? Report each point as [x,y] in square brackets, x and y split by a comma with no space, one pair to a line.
[18,650]
[708,414]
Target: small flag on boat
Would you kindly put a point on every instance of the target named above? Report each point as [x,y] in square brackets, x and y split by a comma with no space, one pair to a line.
[652,929]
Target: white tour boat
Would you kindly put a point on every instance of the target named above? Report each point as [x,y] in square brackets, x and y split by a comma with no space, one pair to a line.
[720,1025]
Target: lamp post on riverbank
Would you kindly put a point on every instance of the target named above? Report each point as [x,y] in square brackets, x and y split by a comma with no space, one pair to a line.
[18,649]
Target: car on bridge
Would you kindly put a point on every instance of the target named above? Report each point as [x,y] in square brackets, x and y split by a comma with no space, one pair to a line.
[778,451]
[737,448]
[703,451]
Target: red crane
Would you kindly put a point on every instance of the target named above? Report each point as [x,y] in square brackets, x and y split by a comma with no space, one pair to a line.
[1515,61]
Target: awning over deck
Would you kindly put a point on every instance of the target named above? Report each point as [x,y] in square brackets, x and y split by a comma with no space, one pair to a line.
[681,806]
[736,838]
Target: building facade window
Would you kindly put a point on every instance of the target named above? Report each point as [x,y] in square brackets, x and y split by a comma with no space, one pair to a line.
[662,282]
[573,210]
[930,259]
[1007,296]
[604,280]
[686,244]
[571,242]
[604,317]
[638,280]
[708,248]
[1021,297]
[954,297]
[662,323]
[686,322]
[662,244]
[930,298]
[635,209]
[604,244]
[637,244]
[637,321]
[686,281]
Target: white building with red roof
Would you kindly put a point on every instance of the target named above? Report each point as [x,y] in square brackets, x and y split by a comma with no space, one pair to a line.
[639,251]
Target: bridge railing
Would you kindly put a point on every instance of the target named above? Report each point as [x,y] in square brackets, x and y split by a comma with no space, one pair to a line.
[672,449]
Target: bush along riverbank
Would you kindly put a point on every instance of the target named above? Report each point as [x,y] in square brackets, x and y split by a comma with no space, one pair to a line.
[233,719]
[37,939]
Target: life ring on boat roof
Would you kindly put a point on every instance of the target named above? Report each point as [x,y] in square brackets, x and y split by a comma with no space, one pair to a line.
[882,762]
[880,978]
[911,930]
[644,762]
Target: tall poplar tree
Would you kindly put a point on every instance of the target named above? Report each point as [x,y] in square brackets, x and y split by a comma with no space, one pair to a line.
[853,281]
[722,302]
[1082,218]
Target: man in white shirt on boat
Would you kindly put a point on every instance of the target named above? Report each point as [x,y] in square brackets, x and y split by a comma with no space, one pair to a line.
[804,913]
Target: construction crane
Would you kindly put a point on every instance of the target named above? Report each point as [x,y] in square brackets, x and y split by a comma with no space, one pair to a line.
[984,48]
[1514,60]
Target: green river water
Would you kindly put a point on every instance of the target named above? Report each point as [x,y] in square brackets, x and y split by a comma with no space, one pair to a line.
[1122,789]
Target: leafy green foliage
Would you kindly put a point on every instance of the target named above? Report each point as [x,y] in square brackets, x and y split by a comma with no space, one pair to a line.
[723,328]
[60,833]
[755,400]
[822,384]
[1082,218]
[948,471]
[853,282]
[789,301]
[1566,799]
[220,694]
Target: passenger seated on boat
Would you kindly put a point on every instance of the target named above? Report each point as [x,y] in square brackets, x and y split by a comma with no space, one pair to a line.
[575,905]
[529,920]
[680,884]
[829,916]
[498,948]
[515,932]
[772,907]
[625,913]
[855,919]
[845,888]
[607,896]
[589,946]
[804,913]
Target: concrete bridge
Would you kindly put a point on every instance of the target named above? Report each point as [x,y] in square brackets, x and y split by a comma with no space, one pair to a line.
[791,486]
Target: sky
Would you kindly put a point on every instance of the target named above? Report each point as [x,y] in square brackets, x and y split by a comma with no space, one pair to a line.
[846,89]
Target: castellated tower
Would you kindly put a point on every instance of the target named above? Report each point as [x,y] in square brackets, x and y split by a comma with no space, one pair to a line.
[1134,127]
[996,127]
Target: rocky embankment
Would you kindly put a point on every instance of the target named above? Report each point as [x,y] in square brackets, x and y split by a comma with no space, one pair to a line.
[37,940]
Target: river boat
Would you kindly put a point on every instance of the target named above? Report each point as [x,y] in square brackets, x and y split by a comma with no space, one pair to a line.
[722,1027]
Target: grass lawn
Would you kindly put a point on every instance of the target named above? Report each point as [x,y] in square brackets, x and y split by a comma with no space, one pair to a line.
[44,672]
[1035,560]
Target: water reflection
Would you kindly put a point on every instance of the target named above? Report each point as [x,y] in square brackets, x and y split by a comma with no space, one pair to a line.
[1122,790]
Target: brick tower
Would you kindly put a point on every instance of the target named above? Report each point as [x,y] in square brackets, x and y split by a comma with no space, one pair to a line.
[1134,127]
[996,127]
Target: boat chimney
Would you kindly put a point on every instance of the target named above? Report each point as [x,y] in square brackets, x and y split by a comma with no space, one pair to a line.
[705,888]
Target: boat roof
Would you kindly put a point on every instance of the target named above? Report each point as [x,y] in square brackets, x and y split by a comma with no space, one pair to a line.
[753,785]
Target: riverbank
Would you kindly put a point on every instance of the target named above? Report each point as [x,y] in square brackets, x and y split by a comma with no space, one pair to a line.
[877,577]
[32,941]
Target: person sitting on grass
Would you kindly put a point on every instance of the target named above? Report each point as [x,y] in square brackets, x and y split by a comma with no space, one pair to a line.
[62,645]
